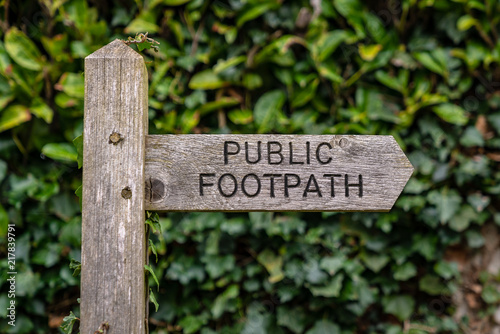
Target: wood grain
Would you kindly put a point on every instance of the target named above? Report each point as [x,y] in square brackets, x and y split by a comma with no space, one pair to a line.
[183,173]
[113,229]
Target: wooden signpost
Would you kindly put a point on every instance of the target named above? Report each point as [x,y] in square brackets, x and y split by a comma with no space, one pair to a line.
[126,171]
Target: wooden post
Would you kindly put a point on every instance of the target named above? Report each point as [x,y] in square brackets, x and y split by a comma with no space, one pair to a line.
[113,284]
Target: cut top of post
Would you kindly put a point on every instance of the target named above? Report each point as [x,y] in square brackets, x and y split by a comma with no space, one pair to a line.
[115,49]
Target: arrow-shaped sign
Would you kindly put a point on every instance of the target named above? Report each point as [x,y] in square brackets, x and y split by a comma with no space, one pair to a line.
[274,172]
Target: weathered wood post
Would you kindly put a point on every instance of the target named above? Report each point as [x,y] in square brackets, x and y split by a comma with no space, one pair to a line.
[113,285]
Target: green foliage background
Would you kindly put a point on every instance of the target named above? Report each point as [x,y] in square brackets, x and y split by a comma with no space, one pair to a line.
[426,72]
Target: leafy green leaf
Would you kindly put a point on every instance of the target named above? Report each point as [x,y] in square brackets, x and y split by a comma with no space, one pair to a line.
[253,11]
[223,102]
[78,142]
[13,116]
[267,109]
[466,22]
[22,50]
[72,84]
[430,62]
[229,63]
[451,113]
[175,2]
[60,151]
[205,80]
[42,110]
[241,116]
[328,43]
[369,52]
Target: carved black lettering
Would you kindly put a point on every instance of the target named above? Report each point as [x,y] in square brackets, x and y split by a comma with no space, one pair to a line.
[308,152]
[270,152]
[258,153]
[227,153]
[272,176]
[243,188]
[202,182]
[291,185]
[318,156]
[312,180]
[291,156]
[359,185]
[230,176]
[332,182]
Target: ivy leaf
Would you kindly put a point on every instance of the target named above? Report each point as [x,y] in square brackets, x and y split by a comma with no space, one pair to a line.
[191,324]
[151,271]
[273,264]
[375,261]
[153,249]
[220,303]
[152,299]
[76,266]
[432,285]
[153,220]
[405,271]
[332,289]
[447,203]
[324,327]
[68,323]
[294,319]
[78,192]
[401,306]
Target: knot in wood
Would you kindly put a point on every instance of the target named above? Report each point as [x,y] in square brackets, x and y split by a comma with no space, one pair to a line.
[343,142]
[127,193]
[155,190]
[115,138]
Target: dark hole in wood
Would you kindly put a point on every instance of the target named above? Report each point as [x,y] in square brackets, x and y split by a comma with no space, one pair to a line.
[155,190]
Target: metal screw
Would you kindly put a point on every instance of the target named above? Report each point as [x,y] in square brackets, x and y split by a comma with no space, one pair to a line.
[115,138]
[127,193]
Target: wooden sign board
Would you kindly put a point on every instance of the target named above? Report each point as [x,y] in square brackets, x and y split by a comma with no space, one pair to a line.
[274,172]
